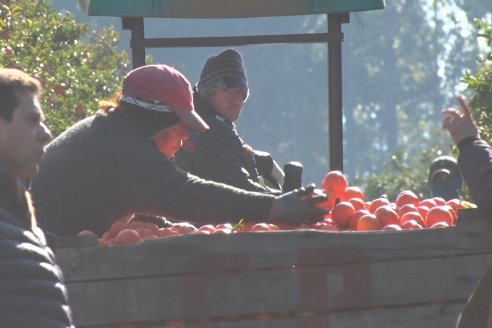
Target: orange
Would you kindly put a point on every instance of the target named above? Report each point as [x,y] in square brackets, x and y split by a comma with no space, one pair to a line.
[152,226]
[136,224]
[369,222]
[391,227]
[167,232]
[201,232]
[127,236]
[262,226]
[86,233]
[224,226]
[439,201]
[223,230]
[357,203]
[407,208]
[282,226]
[438,214]
[377,203]
[411,225]
[102,243]
[342,212]
[407,197]
[107,235]
[150,237]
[387,215]
[117,227]
[429,202]
[207,227]
[246,226]
[423,210]
[415,216]
[455,204]
[439,225]
[335,182]
[142,232]
[355,218]
[454,213]
[352,192]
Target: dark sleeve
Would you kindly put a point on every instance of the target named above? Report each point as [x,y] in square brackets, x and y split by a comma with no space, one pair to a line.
[165,190]
[475,161]
[32,293]
[219,156]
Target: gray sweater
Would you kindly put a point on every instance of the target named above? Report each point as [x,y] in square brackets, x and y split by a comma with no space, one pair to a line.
[107,166]
[475,161]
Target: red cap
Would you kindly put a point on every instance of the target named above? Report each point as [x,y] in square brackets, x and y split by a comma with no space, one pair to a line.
[166,85]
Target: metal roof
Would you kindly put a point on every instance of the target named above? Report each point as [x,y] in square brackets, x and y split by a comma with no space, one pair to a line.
[224,8]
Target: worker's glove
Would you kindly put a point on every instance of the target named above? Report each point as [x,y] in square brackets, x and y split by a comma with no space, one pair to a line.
[298,206]
[160,221]
[268,169]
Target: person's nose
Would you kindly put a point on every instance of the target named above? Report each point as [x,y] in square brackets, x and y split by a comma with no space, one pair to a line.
[44,134]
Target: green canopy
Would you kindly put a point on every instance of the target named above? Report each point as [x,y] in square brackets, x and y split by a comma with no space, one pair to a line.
[224,8]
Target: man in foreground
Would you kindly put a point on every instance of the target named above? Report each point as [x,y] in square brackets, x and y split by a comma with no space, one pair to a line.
[32,293]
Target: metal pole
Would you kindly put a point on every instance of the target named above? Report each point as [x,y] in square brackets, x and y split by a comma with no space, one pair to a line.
[335,114]
[136,27]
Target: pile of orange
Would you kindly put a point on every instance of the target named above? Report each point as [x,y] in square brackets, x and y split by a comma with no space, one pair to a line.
[348,210]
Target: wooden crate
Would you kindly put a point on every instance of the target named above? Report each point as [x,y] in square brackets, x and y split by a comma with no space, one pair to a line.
[419,278]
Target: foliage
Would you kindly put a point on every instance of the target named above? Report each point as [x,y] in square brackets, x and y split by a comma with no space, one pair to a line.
[77,66]
[398,174]
[413,54]
[481,83]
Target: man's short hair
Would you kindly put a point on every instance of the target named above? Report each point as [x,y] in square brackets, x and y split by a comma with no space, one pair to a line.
[13,81]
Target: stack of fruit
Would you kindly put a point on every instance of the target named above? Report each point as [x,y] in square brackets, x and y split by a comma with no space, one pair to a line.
[348,210]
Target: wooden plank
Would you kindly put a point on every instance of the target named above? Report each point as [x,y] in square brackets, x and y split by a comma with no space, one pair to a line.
[435,316]
[334,288]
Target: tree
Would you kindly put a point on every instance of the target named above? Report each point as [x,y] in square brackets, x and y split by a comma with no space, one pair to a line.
[481,82]
[77,66]
[399,174]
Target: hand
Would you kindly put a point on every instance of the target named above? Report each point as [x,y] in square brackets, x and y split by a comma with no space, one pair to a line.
[459,124]
[297,207]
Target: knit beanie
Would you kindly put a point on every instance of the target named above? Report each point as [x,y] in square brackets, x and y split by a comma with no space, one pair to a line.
[223,71]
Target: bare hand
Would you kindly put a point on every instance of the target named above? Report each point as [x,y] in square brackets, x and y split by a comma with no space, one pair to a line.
[459,123]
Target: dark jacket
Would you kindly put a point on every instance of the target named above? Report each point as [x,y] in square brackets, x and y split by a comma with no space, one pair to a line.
[32,293]
[220,155]
[107,167]
[475,162]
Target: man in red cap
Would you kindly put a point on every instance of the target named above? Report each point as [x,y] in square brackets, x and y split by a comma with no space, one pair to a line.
[117,163]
